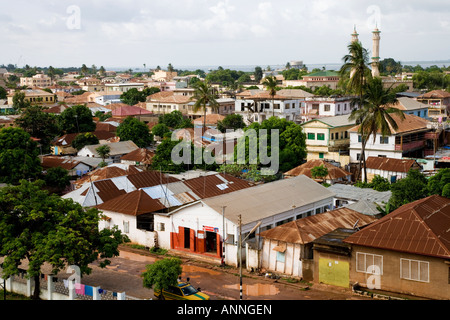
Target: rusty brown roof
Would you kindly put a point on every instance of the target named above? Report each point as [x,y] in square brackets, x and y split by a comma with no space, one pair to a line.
[411,123]
[102,174]
[134,203]
[421,227]
[391,164]
[141,155]
[150,178]
[214,185]
[435,94]
[306,230]
[54,162]
[333,171]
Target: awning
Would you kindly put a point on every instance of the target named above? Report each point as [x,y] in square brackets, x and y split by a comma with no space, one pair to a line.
[280,248]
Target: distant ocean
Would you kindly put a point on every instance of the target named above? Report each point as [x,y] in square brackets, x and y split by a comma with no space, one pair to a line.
[250,68]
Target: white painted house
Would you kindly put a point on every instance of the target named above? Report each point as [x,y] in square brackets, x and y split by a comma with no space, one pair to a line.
[203,227]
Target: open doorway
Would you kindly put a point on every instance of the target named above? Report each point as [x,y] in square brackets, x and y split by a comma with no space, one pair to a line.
[187,238]
[211,242]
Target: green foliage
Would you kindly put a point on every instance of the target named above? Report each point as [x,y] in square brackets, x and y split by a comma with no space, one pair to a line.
[57,179]
[409,189]
[136,131]
[319,172]
[292,142]
[231,122]
[39,124]
[103,151]
[380,184]
[439,183]
[45,228]
[134,96]
[103,116]
[19,102]
[389,66]
[258,74]
[160,130]
[3,93]
[175,120]
[84,139]
[18,156]
[294,74]
[162,274]
[76,119]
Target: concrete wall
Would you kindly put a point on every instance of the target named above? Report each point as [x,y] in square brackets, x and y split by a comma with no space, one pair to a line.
[437,287]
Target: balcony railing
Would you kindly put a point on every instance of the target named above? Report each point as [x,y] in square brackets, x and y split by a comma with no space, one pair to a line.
[410,146]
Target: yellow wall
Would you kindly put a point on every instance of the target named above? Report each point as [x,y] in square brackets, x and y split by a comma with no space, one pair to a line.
[334,272]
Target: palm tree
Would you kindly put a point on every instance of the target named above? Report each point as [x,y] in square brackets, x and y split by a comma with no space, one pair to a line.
[356,67]
[375,115]
[271,84]
[204,96]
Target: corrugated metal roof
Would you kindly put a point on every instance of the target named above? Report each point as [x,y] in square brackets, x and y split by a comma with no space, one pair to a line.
[333,171]
[266,200]
[411,123]
[391,164]
[215,185]
[305,230]
[134,203]
[349,192]
[421,227]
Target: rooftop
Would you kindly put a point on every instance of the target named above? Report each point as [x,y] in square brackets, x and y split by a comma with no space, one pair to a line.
[410,124]
[306,230]
[391,164]
[333,171]
[420,227]
[352,193]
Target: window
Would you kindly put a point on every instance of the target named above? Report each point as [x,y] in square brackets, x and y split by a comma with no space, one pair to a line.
[311,136]
[359,138]
[281,257]
[160,226]
[126,227]
[321,136]
[321,155]
[332,136]
[384,140]
[369,263]
[414,270]
[327,107]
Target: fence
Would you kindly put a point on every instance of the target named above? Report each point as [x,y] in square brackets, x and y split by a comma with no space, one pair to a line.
[54,288]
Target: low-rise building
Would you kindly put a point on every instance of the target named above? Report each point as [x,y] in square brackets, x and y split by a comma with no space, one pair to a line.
[328,138]
[388,168]
[35,96]
[438,102]
[318,107]
[39,80]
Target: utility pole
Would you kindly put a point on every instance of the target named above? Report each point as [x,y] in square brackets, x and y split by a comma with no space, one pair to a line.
[223,236]
[240,257]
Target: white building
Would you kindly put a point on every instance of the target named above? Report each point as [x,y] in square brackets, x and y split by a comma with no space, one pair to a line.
[123,87]
[117,150]
[317,107]
[409,140]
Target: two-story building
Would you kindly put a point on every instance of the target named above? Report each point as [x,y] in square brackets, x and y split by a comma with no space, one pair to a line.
[408,140]
[39,80]
[328,138]
[35,96]
[438,102]
[258,105]
[316,107]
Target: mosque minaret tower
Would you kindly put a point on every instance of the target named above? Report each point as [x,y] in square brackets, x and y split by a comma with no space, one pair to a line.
[376,53]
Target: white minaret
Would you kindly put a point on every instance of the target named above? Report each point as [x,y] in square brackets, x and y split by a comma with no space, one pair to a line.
[376,53]
[354,39]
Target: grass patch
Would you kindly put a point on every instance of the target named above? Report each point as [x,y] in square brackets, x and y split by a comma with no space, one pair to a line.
[159,251]
[12,296]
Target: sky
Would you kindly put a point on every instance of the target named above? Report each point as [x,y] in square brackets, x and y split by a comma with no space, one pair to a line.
[131,33]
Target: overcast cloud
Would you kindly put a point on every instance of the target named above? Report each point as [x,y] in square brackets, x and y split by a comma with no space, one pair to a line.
[129,33]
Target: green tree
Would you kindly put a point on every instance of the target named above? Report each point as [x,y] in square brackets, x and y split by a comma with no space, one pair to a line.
[136,131]
[19,101]
[271,85]
[39,124]
[160,130]
[319,172]
[409,189]
[76,119]
[231,122]
[84,139]
[380,184]
[258,74]
[439,183]
[45,228]
[204,97]
[56,179]
[103,151]
[3,93]
[162,274]
[18,156]
[103,116]
[172,120]
[84,70]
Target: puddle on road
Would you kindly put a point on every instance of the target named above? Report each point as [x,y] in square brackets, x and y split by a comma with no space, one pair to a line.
[255,290]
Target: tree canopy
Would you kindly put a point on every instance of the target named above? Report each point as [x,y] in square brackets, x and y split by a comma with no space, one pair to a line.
[136,131]
[18,156]
[76,119]
[45,228]
[162,274]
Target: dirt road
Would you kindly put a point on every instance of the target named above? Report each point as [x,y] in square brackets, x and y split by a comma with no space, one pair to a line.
[124,275]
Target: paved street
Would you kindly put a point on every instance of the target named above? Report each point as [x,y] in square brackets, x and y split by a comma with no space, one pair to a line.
[124,275]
